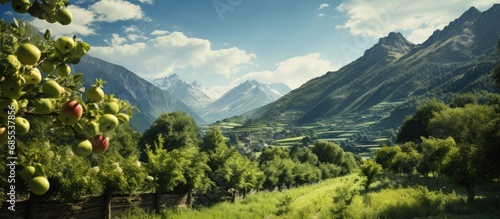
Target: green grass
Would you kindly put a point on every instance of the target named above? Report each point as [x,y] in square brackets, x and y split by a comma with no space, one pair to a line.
[343,197]
[290,140]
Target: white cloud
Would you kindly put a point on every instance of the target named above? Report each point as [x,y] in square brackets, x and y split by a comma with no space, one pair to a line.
[147,1]
[324,5]
[165,54]
[131,28]
[86,20]
[82,24]
[159,32]
[376,18]
[116,10]
[124,51]
[321,15]
[293,71]
[116,41]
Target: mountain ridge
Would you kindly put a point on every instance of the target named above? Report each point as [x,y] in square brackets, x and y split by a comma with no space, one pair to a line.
[238,100]
[379,76]
[151,101]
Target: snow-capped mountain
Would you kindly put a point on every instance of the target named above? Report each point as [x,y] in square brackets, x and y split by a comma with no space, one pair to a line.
[195,95]
[243,98]
[211,106]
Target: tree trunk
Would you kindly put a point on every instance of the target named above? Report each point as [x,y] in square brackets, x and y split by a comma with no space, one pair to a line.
[233,198]
[107,205]
[157,200]
[471,194]
[190,198]
[33,206]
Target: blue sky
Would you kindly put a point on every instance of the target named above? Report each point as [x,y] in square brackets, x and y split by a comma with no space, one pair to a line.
[222,43]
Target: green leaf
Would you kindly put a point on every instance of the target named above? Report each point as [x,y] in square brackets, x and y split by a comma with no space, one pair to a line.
[74,61]
[16,23]
[78,78]
[86,46]
[47,34]
[22,31]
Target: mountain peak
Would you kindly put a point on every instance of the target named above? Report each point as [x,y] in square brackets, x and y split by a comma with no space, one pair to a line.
[453,27]
[388,48]
[174,76]
[394,40]
[196,84]
[470,14]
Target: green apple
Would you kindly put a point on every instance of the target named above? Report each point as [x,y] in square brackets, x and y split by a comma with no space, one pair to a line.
[47,67]
[65,44]
[111,108]
[33,77]
[21,6]
[91,128]
[82,148]
[95,94]
[64,16]
[9,65]
[51,89]
[12,87]
[63,70]
[28,173]
[22,125]
[43,105]
[81,48]
[28,54]
[99,144]
[7,105]
[122,117]
[107,122]
[78,127]
[71,111]
[51,19]
[4,137]
[39,185]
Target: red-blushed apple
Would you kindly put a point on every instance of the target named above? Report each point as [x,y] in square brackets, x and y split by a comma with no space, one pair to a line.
[71,111]
[99,144]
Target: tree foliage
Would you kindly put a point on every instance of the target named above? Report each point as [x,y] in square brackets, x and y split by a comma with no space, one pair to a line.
[177,128]
[328,152]
[416,126]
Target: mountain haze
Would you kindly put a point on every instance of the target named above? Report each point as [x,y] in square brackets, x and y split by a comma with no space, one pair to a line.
[396,72]
[195,95]
[243,98]
[207,103]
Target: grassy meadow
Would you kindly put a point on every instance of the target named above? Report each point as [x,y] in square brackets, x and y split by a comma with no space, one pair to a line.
[391,196]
